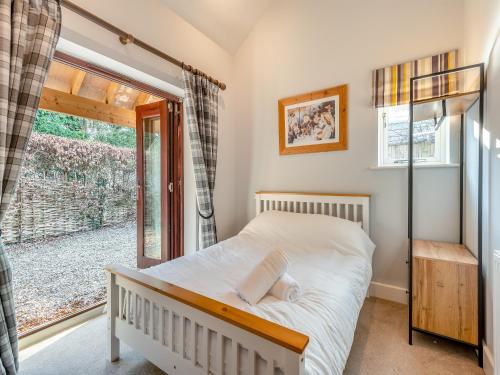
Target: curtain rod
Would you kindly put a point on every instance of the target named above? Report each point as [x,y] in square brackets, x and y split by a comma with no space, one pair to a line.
[126,38]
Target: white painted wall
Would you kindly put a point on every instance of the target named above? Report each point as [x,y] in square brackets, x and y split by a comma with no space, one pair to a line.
[493,126]
[482,28]
[471,174]
[301,46]
[153,22]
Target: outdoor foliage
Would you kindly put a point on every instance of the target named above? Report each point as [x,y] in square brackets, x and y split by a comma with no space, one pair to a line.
[71,159]
[68,185]
[73,127]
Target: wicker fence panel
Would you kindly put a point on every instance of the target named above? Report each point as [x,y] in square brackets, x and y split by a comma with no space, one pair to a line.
[50,201]
[60,208]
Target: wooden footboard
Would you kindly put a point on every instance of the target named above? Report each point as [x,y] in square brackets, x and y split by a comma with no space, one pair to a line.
[183,332]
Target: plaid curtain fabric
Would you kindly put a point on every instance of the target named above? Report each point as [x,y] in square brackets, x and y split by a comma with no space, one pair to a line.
[29,30]
[391,85]
[201,103]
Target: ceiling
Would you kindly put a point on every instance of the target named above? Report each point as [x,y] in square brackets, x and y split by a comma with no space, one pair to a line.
[226,22]
[79,93]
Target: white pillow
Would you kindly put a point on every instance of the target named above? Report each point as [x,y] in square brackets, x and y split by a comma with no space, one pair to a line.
[312,231]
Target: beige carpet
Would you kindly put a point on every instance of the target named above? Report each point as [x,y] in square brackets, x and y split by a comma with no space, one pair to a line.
[380,347]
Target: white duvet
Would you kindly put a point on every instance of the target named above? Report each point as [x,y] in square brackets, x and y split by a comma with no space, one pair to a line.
[329,257]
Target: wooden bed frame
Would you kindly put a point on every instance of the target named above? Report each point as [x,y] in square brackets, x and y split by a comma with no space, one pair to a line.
[184,333]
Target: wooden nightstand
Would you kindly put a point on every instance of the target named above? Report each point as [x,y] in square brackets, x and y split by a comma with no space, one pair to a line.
[445,290]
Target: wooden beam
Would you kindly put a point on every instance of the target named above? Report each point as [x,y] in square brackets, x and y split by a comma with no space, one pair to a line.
[76,84]
[111,91]
[142,98]
[58,101]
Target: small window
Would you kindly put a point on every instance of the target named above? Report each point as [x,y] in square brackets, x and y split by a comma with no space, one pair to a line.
[430,137]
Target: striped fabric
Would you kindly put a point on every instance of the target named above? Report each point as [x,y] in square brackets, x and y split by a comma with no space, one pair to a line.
[391,85]
[29,30]
[201,104]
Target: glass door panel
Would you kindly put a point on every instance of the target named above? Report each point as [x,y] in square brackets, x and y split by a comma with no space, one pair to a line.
[151,144]
[153,201]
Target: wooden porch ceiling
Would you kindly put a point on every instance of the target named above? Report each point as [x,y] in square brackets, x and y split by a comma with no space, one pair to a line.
[76,92]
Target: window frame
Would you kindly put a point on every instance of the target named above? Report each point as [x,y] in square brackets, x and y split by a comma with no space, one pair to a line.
[442,144]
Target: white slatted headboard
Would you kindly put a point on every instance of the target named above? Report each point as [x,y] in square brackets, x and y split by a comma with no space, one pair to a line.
[354,207]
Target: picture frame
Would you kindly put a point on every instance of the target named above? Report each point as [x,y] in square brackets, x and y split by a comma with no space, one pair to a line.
[313,122]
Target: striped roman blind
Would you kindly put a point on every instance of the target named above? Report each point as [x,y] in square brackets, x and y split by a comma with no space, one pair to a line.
[391,85]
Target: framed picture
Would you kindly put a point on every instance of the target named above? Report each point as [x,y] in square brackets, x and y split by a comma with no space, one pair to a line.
[314,122]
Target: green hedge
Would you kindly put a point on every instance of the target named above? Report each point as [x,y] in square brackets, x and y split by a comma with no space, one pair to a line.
[69,185]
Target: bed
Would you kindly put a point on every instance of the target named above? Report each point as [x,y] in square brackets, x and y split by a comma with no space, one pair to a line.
[186,317]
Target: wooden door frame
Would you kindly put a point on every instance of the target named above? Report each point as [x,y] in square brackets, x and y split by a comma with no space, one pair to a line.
[176,248]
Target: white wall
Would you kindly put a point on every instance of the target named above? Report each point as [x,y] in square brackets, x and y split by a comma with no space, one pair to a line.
[481,25]
[301,46]
[493,126]
[154,23]
[471,174]
[482,28]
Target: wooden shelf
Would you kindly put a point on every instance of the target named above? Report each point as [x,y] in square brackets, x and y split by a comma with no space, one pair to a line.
[447,251]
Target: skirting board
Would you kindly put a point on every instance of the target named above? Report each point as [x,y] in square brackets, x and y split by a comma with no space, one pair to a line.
[63,325]
[488,364]
[388,292]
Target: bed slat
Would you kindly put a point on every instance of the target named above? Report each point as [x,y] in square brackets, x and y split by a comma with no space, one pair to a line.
[156,322]
[194,342]
[163,327]
[171,330]
[121,299]
[252,359]
[138,311]
[147,318]
[219,351]
[269,366]
[204,349]
[234,358]
[130,303]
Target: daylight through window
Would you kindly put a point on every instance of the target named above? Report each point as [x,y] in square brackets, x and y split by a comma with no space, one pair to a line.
[429,137]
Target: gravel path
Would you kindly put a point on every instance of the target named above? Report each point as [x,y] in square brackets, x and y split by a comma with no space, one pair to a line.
[55,277]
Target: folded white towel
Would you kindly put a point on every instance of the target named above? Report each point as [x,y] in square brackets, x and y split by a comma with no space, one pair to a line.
[263,277]
[286,289]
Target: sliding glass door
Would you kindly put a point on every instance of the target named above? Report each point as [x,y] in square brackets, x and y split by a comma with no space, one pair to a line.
[159,182]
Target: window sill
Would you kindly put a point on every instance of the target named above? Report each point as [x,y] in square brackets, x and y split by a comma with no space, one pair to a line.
[418,166]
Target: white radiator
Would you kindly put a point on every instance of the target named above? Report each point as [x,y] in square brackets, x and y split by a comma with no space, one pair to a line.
[496,310]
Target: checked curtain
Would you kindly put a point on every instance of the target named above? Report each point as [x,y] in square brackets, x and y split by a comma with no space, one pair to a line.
[29,30]
[201,104]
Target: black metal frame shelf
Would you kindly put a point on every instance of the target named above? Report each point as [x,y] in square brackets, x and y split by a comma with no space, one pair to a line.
[411,163]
